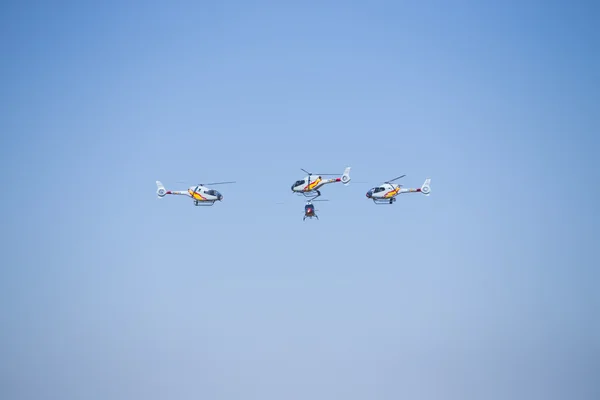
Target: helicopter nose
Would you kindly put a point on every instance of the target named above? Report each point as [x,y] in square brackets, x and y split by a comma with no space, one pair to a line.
[369,195]
[220,197]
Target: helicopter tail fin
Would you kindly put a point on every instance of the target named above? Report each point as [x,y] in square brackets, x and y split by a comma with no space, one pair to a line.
[346,176]
[426,189]
[160,191]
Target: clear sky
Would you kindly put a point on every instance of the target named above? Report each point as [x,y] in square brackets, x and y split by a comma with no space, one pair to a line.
[487,289]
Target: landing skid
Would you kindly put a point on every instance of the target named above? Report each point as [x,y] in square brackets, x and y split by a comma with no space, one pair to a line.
[384,201]
[204,203]
[311,195]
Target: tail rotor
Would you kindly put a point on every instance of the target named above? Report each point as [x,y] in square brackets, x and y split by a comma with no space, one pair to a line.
[160,191]
[426,188]
[346,176]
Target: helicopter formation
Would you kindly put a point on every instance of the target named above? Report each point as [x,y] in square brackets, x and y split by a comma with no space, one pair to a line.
[309,187]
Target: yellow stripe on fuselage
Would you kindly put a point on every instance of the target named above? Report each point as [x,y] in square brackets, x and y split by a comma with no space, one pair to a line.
[392,193]
[196,195]
[312,185]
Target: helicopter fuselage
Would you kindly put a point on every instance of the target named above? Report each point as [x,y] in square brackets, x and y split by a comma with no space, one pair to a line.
[386,193]
[200,194]
[311,183]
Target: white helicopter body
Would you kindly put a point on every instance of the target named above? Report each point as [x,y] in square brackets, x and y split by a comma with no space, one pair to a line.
[386,193]
[310,185]
[200,194]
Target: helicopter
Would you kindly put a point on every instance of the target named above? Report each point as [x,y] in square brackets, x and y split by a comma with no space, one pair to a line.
[200,194]
[309,186]
[309,210]
[387,192]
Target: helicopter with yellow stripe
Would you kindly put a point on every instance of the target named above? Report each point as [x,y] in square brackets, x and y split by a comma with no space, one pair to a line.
[386,193]
[200,194]
[310,185]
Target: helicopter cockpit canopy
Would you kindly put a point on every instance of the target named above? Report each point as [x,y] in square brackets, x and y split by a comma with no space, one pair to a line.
[215,193]
[375,190]
[298,183]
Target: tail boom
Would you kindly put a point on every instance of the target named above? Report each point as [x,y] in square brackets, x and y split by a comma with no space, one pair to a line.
[425,188]
[162,192]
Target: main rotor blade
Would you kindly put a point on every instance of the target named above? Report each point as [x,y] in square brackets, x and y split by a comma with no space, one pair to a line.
[401,176]
[310,173]
[216,183]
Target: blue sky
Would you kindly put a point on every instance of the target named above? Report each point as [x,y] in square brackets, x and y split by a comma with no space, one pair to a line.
[485,289]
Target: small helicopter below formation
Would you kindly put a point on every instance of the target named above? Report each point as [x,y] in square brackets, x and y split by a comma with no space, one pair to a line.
[309,210]
[310,185]
[200,194]
[386,193]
